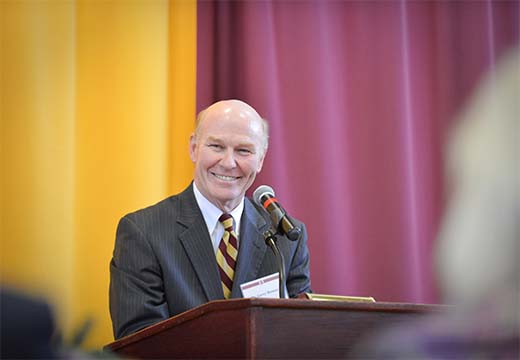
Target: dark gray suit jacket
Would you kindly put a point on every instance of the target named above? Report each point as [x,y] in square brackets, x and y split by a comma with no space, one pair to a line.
[164,262]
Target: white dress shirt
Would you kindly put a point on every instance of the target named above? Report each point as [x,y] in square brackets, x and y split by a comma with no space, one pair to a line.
[211,215]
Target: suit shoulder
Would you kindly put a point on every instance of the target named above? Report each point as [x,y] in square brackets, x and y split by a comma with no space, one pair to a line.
[165,210]
[164,203]
[154,209]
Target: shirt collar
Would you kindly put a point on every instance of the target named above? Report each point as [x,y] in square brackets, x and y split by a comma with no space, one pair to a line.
[211,213]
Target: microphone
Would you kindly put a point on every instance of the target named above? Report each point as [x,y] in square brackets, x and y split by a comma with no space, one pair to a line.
[264,197]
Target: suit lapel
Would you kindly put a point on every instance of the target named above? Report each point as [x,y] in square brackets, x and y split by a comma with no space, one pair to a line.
[197,244]
[251,247]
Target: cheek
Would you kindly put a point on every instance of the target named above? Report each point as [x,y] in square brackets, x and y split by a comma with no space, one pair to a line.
[253,167]
[207,159]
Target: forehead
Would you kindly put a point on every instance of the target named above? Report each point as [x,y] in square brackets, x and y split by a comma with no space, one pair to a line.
[239,126]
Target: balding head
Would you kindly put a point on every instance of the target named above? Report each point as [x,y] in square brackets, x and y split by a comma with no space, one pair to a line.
[225,108]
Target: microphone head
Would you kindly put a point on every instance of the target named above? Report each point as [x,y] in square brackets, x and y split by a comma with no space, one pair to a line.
[260,192]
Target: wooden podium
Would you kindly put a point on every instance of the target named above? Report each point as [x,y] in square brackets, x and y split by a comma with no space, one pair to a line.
[266,328]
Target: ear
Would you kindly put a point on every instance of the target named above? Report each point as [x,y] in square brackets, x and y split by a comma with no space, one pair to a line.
[193,147]
[261,163]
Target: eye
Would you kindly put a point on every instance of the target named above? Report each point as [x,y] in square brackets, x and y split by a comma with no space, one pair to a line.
[215,146]
[244,151]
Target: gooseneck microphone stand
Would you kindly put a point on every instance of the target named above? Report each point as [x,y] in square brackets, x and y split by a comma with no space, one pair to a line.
[270,239]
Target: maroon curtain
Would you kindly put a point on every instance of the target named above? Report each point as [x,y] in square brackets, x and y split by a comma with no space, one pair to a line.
[359,96]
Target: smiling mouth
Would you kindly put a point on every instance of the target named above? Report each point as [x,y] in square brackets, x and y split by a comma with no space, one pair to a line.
[226,178]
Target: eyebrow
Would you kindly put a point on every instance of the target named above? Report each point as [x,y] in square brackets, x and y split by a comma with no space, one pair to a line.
[249,145]
[213,139]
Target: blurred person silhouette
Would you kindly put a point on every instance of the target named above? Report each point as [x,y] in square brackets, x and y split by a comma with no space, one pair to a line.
[27,327]
[28,330]
[478,249]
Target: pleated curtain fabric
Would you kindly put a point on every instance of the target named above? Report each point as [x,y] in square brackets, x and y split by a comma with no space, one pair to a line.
[227,254]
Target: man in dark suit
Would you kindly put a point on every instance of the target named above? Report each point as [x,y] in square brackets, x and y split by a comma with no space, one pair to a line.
[164,260]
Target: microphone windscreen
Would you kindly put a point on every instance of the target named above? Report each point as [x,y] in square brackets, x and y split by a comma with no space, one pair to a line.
[261,191]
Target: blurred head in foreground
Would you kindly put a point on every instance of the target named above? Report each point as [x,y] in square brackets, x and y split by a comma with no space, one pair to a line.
[478,250]
[478,253]
[27,327]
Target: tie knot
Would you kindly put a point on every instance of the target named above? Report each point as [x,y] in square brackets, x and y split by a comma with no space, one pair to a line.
[227,221]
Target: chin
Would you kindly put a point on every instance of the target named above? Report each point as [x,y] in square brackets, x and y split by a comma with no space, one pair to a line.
[227,196]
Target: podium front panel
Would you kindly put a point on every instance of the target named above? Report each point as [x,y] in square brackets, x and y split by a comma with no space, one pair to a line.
[266,328]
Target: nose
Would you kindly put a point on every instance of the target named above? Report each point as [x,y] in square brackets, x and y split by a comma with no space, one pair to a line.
[228,159]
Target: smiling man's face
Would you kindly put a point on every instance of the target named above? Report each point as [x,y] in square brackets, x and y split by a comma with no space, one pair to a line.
[228,150]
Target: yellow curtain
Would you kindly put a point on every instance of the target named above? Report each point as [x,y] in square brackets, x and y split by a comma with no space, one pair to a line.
[97,103]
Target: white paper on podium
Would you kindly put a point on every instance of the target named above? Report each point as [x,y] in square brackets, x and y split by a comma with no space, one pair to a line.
[265,287]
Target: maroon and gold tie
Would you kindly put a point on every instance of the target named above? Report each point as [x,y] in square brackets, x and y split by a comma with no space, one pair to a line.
[227,254]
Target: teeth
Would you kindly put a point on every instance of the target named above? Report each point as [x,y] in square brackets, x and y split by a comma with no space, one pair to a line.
[226,178]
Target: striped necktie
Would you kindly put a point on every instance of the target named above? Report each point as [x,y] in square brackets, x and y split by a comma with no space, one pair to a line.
[227,254]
